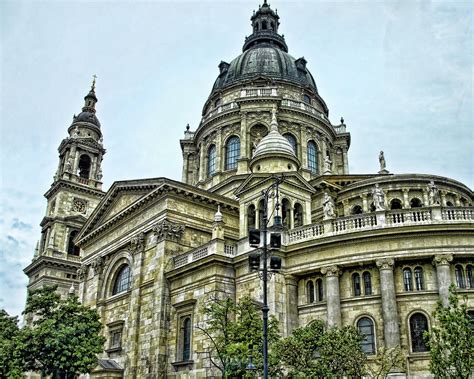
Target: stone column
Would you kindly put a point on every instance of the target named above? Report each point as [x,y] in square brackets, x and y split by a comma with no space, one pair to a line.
[220,153]
[406,200]
[291,304]
[365,205]
[389,303]
[346,161]
[333,302]
[443,275]
[243,136]
[202,155]
[184,177]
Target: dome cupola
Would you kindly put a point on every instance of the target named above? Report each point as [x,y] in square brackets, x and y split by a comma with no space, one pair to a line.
[274,152]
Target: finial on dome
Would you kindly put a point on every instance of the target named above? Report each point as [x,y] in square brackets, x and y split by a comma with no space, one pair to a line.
[218,216]
[93,82]
[342,120]
[187,127]
[274,123]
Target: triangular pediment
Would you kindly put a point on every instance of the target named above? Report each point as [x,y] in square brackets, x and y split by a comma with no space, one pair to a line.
[257,182]
[120,197]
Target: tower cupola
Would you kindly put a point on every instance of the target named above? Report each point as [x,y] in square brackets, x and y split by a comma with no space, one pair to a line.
[265,23]
[87,117]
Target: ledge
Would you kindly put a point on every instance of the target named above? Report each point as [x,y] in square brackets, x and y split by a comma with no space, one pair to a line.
[113,349]
[177,365]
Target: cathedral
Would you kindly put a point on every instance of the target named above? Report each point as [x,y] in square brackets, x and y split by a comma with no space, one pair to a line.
[375,250]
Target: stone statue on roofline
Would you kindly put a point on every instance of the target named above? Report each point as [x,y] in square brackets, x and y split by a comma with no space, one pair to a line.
[328,207]
[433,194]
[378,197]
[382,163]
[327,165]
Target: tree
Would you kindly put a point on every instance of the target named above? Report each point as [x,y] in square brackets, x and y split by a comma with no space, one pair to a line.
[313,351]
[64,339]
[231,330]
[451,339]
[11,364]
[386,360]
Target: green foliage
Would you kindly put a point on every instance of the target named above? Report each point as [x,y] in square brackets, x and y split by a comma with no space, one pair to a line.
[451,340]
[64,338]
[11,364]
[229,329]
[386,360]
[312,351]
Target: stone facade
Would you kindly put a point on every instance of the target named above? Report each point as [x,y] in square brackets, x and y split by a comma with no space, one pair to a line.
[153,251]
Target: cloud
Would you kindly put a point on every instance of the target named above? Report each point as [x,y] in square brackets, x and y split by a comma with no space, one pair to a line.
[17,224]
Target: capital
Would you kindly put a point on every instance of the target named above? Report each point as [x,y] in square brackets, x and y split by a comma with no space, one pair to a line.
[137,243]
[385,263]
[331,270]
[444,259]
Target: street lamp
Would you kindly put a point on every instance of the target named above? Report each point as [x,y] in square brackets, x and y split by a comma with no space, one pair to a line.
[275,262]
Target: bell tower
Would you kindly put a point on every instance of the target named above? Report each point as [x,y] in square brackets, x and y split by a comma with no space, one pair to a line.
[75,192]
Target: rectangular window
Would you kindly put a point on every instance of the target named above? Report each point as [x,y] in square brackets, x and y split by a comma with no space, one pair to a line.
[115,336]
[184,332]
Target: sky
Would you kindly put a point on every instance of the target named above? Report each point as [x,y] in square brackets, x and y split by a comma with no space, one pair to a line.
[399,72]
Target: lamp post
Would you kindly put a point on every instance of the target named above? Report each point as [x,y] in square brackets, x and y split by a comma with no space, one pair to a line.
[275,262]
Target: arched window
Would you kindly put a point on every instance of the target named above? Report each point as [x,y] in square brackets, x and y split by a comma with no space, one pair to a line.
[211,160]
[292,140]
[395,204]
[71,246]
[313,157]
[310,291]
[415,203]
[298,215]
[372,207]
[449,204]
[407,280]
[356,284]
[366,327]
[306,99]
[264,25]
[251,217]
[470,280]
[272,25]
[217,103]
[418,278]
[232,153]
[319,290]
[356,210]
[123,280]
[186,338]
[84,166]
[418,325]
[286,212]
[367,283]
[459,272]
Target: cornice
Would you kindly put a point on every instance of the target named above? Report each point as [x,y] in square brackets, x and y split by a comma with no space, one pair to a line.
[159,187]
[47,261]
[89,142]
[61,183]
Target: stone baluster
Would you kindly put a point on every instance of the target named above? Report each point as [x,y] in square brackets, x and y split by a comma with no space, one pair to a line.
[333,302]
[389,303]
[443,275]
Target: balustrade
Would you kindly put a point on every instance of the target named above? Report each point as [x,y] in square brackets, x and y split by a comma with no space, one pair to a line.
[354,223]
[457,214]
[256,92]
[221,108]
[408,216]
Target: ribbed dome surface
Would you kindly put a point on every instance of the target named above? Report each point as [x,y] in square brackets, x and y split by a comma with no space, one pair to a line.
[275,144]
[264,60]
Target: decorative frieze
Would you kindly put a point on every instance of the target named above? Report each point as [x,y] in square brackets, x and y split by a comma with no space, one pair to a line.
[167,230]
[98,265]
[82,272]
[137,243]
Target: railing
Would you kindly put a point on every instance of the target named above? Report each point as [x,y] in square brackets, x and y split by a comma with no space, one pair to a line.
[304,107]
[340,128]
[408,216]
[305,232]
[203,251]
[357,222]
[221,108]
[379,220]
[457,214]
[258,92]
